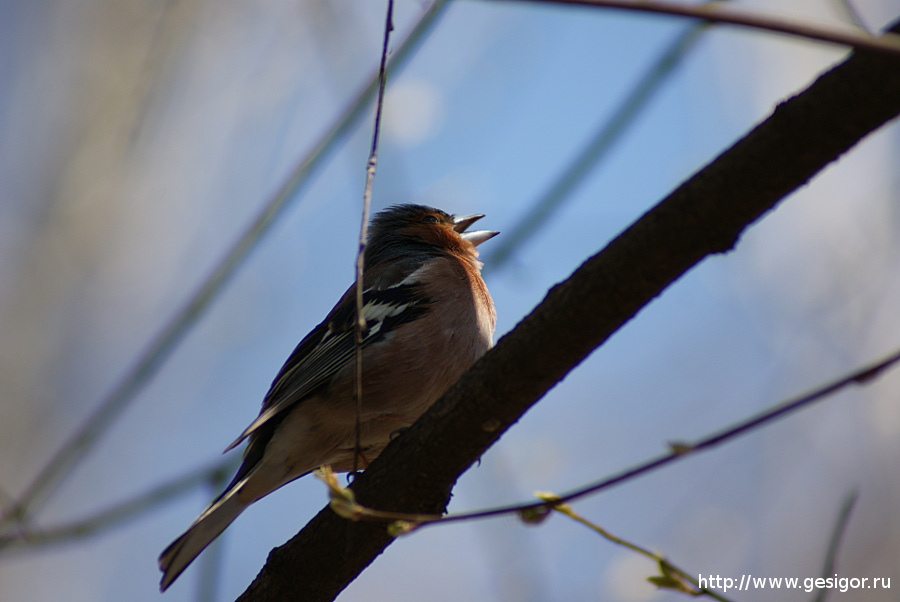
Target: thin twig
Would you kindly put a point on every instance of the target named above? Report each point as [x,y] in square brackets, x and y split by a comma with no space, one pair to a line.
[73,451]
[680,450]
[343,501]
[840,526]
[887,43]
[670,577]
[117,514]
[360,325]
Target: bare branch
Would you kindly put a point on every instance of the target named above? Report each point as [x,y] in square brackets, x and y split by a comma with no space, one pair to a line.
[887,43]
[670,576]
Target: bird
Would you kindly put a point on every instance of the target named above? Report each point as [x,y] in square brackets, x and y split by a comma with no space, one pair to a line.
[428,318]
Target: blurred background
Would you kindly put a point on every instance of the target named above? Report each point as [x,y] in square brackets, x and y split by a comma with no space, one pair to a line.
[139,139]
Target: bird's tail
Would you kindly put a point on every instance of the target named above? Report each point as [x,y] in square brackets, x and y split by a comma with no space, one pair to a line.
[200,534]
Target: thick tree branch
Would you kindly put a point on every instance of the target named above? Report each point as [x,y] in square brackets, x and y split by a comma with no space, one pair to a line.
[705,215]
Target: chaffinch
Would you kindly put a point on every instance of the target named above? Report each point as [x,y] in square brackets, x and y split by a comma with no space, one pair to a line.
[429,317]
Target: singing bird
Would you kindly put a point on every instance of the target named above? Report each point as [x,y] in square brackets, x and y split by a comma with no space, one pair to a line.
[428,317]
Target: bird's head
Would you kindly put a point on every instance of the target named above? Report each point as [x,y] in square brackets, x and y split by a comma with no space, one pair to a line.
[420,228]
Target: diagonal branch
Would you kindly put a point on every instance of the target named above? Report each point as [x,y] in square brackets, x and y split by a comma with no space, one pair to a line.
[703,216]
[716,13]
[116,514]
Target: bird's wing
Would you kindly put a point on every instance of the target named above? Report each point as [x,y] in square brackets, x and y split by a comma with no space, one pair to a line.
[329,347]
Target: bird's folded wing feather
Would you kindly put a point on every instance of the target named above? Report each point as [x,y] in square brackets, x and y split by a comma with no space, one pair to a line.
[329,347]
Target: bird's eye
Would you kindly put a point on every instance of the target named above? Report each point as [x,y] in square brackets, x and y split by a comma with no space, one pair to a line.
[430,219]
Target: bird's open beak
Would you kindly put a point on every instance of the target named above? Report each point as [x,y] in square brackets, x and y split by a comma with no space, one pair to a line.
[476,237]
